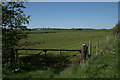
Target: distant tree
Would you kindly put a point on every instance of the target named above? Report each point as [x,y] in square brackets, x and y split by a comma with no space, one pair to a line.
[13,21]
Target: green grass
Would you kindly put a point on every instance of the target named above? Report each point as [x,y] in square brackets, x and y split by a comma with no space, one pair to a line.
[64,40]
[103,65]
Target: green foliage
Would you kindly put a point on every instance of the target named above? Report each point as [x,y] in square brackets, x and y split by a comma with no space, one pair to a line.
[13,16]
[116,30]
[13,19]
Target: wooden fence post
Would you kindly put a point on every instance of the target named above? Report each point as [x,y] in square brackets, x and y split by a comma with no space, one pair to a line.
[45,60]
[90,49]
[97,48]
[84,52]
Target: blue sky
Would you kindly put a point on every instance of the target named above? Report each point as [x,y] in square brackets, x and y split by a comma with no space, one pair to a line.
[96,15]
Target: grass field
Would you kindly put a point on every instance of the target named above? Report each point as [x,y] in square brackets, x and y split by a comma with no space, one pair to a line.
[66,39]
[103,65]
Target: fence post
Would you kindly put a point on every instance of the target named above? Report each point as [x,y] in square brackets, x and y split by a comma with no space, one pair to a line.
[84,52]
[45,60]
[97,48]
[90,49]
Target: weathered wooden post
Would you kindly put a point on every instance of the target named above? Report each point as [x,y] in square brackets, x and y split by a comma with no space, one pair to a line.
[97,48]
[45,60]
[90,49]
[84,53]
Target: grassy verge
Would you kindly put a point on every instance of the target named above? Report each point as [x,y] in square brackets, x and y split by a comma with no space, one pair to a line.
[103,65]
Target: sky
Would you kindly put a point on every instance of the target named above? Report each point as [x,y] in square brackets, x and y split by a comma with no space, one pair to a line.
[97,15]
[73,0]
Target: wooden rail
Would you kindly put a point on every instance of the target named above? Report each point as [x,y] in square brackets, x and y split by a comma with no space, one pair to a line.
[83,56]
[51,49]
[45,50]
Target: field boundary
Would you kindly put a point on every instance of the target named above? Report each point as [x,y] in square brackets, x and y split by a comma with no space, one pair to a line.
[85,53]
